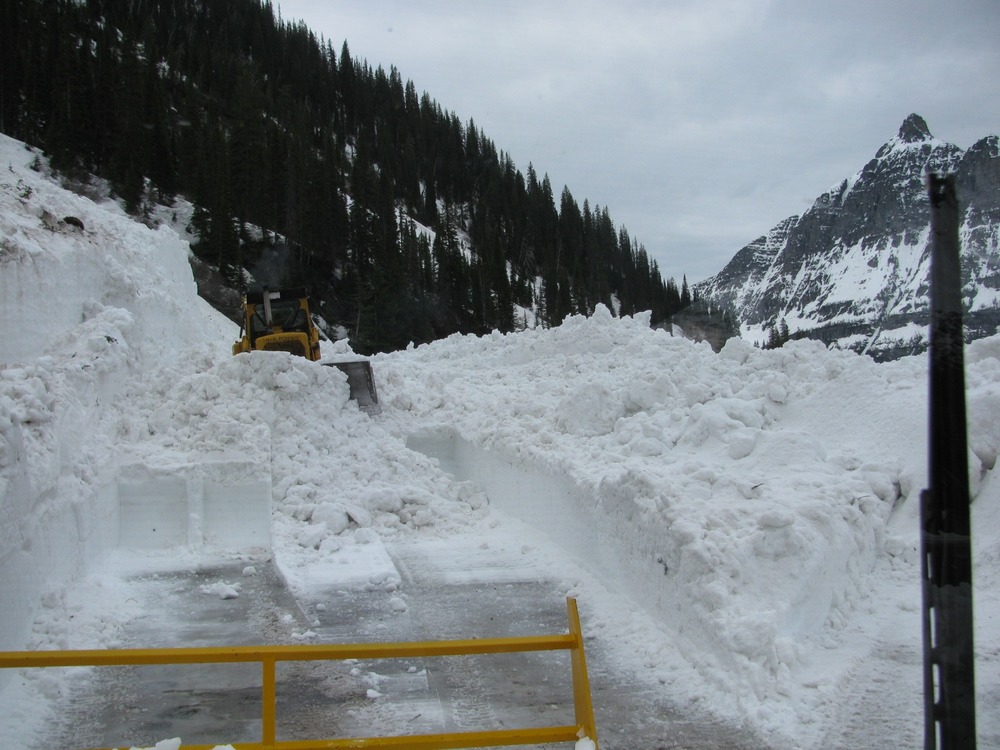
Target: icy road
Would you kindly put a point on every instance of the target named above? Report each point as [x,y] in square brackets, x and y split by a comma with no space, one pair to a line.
[508,581]
[466,590]
[469,586]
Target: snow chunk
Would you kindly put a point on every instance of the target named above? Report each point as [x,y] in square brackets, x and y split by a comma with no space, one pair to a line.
[221,589]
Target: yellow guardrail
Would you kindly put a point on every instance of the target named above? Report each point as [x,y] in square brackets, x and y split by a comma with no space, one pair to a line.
[269,656]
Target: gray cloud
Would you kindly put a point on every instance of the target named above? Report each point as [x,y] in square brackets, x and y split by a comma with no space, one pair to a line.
[698,124]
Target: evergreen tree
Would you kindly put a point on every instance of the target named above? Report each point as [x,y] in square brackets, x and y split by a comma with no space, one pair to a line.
[685,300]
[778,336]
[773,342]
[783,334]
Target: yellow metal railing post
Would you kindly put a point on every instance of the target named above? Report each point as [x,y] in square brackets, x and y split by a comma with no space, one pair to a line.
[582,702]
[269,700]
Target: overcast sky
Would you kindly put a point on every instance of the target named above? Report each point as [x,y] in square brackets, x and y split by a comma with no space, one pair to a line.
[699,124]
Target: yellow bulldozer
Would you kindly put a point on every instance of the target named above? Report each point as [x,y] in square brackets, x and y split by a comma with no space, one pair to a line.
[279,321]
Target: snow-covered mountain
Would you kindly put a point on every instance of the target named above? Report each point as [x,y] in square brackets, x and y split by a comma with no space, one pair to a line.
[853,269]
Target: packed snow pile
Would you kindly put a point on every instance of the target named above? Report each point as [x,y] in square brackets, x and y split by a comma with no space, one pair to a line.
[744,498]
[337,476]
[759,506]
[118,382]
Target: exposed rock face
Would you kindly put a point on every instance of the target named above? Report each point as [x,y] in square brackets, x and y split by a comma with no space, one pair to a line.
[854,268]
[700,322]
[216,290]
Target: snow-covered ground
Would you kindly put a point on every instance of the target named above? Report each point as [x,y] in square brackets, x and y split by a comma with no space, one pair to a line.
[740,528]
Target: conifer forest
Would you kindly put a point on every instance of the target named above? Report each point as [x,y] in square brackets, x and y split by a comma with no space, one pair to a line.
[282,141]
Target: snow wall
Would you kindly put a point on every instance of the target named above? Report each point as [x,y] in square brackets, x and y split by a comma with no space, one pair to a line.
[202,507]
[86,310]
[548,501]
[618,543]
[743,499]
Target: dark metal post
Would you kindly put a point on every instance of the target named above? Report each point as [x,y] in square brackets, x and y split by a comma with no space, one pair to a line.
[949,687]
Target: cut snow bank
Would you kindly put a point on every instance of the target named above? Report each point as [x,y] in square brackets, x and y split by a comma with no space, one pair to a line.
[125,419]
[86,304]
[743,499]
[107,261]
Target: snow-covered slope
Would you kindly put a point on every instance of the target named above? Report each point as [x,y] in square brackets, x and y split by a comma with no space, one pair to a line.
[854,268]
[89,300]
[117,376]
[759,507]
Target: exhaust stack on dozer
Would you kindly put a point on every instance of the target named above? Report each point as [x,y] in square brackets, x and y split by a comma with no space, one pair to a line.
[279,320]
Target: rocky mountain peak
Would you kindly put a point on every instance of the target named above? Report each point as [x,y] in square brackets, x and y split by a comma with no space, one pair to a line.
[852,271]
[914,129]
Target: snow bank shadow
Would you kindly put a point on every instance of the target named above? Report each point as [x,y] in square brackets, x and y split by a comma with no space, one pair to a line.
[550,503]
[623,545]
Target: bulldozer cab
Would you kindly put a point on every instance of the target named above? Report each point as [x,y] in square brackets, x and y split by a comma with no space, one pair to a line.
[278,321]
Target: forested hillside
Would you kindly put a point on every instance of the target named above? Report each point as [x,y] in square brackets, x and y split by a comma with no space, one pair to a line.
[264,126]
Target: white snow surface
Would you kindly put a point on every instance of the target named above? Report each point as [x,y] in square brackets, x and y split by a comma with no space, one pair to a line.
[742,525]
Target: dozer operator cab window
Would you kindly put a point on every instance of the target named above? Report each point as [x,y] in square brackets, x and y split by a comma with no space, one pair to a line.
[296,321]
[285,314]
[288,315]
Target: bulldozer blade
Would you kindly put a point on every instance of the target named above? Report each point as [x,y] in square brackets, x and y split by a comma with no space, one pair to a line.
[362,382]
